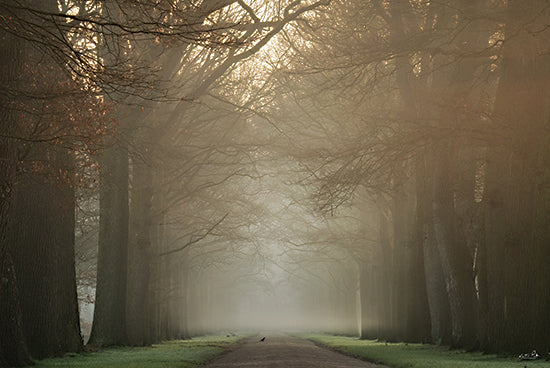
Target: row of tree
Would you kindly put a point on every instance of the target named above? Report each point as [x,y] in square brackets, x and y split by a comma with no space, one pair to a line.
[433,114]
[114,96]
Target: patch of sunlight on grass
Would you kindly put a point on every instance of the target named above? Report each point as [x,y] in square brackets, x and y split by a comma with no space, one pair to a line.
[169,354]
[400,355]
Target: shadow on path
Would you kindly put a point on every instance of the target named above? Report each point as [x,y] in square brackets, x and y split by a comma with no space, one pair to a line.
[279,350]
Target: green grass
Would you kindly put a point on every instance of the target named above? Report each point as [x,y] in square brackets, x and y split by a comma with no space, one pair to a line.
[170,354]
[402,355]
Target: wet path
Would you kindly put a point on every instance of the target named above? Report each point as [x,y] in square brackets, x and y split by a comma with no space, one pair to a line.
[285,351]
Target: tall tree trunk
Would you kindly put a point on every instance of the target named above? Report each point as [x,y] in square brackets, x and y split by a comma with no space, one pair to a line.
[13,349]
[386,282]
[157,284]
[140,250]
[450,99]
[438,301]
[109,326]
[13,346]
[522,112]
[411,320]
[178,300]
[369,282]
[414,305]
[42,239]
[456,261]
[400,265]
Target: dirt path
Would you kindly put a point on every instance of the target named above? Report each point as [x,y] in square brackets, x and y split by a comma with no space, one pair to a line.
[285,351]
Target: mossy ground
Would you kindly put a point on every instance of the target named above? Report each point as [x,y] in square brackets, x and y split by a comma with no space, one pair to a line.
[170,354]
[402,355]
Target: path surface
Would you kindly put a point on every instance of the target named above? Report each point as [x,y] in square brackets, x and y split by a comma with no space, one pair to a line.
[285,351]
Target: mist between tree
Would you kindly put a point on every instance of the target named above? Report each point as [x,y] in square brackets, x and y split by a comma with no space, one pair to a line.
[179,167]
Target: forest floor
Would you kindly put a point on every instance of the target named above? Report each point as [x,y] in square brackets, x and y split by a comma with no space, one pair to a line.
[279,350]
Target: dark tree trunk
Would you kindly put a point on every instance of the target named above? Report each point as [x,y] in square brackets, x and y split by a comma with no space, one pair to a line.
[400,266]
[13,348]
[419,319]
[42,240]
[456,261]
[412,321]
[177,298]
[438,302]
[140,251]
[513,172]
[369,282]
[42,234]
[492,257]
[410,305]
[175,305]
[109,326]
[157,284]
[386,282]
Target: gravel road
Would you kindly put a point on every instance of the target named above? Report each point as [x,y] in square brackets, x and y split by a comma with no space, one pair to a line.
[279,350]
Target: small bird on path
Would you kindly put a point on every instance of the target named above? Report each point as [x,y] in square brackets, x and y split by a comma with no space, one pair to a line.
[262,339]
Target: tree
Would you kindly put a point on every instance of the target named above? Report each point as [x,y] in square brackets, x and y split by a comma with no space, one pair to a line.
[511,211]
[40,238]
[67,37]
[13,348]
[171,66]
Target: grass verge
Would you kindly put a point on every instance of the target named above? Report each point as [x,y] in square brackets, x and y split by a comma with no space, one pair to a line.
[170,354]
[402,355]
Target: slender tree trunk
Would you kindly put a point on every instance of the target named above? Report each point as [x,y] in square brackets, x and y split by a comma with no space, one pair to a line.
[140,250]
[109,326]
[438,302]
[157,284]
[386,282]
[182,303]
[414,306]
[456,261]
[492,257]
[369,282]
[400,269]
[411,318]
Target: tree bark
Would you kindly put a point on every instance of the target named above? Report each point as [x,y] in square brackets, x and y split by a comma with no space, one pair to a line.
[456,262]
[369,283]
[109,326]
[386,282]
[140,250]
[42,239]
[521,110]
[438,302]
[13,347]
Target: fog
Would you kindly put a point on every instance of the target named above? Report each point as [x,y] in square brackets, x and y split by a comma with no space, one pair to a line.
[370,168]
[339,178]
[347,174]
